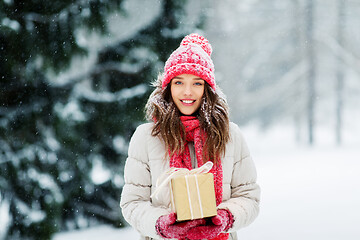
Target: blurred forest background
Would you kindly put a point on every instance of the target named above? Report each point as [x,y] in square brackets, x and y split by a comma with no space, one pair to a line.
[75,75]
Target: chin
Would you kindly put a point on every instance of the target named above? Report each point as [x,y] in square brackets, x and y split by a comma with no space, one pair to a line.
[188,113]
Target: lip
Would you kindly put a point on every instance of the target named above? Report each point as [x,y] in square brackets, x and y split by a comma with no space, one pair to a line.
[187,104]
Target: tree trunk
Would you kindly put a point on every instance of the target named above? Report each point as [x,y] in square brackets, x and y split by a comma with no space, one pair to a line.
[298,40]
[340,73]
[311,74]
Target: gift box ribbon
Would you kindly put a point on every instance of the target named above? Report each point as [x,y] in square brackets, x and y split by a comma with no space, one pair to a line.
[166,177]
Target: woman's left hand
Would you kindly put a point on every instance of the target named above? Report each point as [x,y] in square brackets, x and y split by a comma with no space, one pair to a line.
[167,227]
[219,223]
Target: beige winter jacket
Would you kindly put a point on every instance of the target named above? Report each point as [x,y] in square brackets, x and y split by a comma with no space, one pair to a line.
[145,163]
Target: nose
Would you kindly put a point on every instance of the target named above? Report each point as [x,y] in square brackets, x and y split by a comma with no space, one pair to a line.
[188,90]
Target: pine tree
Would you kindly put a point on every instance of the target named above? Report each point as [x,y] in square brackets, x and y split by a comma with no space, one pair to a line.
[54,138]
[34,159]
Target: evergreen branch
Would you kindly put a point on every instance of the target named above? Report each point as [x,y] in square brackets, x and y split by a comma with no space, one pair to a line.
[36,17]
[4,161]
[123,94]
[103,68]
[14,112]
[121,68]
[111,215]
[5,147]
[111,202]
[74,8]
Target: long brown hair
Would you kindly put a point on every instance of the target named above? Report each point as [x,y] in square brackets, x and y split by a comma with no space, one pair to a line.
[213,116]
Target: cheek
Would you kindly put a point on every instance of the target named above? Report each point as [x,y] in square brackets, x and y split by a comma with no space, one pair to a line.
[201,93]
[172,92]
[200,96]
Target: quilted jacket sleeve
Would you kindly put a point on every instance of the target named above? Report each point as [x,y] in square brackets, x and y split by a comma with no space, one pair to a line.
[135,198]
[245,192]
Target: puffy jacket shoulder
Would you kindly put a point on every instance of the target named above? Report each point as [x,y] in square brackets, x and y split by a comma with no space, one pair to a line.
[241,149]
[138,144]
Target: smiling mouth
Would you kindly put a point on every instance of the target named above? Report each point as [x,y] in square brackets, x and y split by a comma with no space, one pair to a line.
[188,101]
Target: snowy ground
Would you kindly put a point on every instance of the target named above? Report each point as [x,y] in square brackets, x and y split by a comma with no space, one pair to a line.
[307,192]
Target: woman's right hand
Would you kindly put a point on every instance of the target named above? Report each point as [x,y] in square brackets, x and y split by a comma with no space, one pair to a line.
[167,227]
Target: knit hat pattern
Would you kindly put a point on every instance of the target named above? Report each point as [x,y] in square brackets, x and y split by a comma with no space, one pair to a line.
[192,57]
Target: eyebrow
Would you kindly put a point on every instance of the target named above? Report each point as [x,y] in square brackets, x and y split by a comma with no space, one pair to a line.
[197,78]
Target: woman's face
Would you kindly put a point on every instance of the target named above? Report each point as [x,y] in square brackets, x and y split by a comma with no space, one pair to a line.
[187,91]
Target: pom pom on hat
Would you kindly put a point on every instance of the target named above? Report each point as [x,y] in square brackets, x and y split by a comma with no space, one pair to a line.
[197,39]
[192,57]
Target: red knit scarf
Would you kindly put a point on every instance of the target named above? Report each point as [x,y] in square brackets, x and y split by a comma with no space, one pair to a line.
[183,160]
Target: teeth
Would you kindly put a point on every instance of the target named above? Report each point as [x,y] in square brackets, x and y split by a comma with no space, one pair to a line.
[187,101]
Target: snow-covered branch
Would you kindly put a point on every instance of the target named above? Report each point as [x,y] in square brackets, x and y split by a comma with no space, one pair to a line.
[13,112]
[121,95]
[285,85]
[73,9]
[340,51]
[118,67]
[112,215]
[254,61]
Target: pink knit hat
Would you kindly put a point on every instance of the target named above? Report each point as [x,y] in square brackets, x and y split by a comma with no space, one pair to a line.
[192,57]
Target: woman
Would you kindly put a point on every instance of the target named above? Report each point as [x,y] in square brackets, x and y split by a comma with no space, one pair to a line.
[189,125]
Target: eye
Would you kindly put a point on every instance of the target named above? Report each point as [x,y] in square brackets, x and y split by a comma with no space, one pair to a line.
[198,84]
[177,82]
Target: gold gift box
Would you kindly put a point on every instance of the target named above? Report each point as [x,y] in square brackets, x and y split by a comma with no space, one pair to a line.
[193,196]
